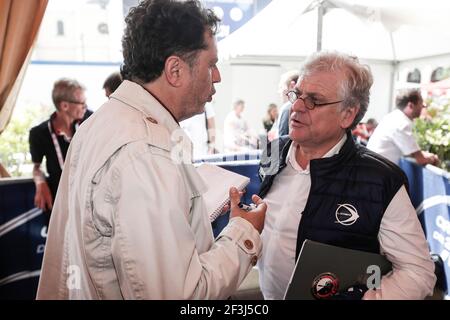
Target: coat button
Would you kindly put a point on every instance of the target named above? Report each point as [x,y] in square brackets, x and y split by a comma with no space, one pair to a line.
[254,260]
[248,244]
[152,120]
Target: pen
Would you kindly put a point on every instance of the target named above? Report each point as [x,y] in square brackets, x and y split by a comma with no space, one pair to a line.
[247,207]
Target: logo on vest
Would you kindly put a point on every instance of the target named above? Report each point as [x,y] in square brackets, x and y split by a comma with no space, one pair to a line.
[346,214]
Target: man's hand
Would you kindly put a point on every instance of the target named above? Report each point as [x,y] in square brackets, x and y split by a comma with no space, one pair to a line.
[424,157]
[431,158]
[255,217]
[43,197]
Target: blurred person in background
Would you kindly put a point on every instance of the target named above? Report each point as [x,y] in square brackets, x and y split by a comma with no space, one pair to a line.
[3,172]
[271,116]
[51,139]
[363,131]
[281,126]
[394,138]
[112,83]
[237,134]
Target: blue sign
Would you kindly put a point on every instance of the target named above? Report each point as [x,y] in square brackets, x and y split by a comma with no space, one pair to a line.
[23,232]
[430,195]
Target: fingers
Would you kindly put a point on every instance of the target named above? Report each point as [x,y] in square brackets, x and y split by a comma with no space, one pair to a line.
[39,203]
[256,199]
[44,202]
[261,205]
[436,160]
[49,205]
[48,202]
[235,198]
[226,208]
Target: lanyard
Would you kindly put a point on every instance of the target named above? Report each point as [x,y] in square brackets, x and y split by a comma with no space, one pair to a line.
[56,145]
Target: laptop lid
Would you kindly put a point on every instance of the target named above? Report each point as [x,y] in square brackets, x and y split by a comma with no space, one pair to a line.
[322,270]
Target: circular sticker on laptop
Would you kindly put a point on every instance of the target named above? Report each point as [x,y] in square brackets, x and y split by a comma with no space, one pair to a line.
[325,285]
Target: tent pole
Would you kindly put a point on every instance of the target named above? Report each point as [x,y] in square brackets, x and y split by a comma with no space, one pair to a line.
[394,72]
[393,81]
[320,11]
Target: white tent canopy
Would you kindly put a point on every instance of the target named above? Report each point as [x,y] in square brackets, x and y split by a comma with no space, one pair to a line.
[391,30]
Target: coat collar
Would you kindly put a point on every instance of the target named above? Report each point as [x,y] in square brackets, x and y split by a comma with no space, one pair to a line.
[135,96]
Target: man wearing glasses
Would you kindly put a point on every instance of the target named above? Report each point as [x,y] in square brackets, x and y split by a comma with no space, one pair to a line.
[51,139]
[323,187]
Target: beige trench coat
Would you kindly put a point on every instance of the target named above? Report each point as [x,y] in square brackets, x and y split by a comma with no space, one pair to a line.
[129,222]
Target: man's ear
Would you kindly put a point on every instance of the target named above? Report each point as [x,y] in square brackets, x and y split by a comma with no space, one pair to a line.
[63,106]
[174,70]
[348,115]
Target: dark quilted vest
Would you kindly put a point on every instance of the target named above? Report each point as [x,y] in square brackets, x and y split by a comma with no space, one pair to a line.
[349,194]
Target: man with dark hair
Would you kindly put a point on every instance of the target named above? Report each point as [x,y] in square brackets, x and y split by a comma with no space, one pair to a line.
[130,220]
[51,139]
[112,83]
[323,187]
[393,137]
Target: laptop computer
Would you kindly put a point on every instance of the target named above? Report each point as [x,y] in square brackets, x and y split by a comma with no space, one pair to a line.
[322,270]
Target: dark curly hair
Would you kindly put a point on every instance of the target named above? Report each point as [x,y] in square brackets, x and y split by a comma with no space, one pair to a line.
[157,29]
[404,96]
[113,81]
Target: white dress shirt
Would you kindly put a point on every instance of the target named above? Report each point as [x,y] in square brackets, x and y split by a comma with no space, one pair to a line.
[401,238]
[393,137]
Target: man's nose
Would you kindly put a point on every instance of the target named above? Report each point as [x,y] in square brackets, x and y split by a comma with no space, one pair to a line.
[216,78]
[298,105]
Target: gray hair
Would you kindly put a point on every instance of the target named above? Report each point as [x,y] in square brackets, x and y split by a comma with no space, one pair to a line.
[64,89]
[286,79]
[238,103]
[355,89]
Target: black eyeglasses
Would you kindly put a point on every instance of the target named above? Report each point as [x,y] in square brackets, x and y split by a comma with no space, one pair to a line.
[308,101]
[76,102]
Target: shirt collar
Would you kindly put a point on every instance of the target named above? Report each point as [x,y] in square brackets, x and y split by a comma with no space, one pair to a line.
[75,125]
[404,115]
[290,159]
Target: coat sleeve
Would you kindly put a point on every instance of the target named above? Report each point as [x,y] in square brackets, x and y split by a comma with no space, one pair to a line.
[155,251]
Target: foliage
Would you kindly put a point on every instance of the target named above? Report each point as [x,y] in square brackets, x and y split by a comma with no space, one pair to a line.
[433,131]
[14,146]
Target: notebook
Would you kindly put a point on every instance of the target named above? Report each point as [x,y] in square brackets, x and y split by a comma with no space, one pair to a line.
[322,268]
[219,181]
